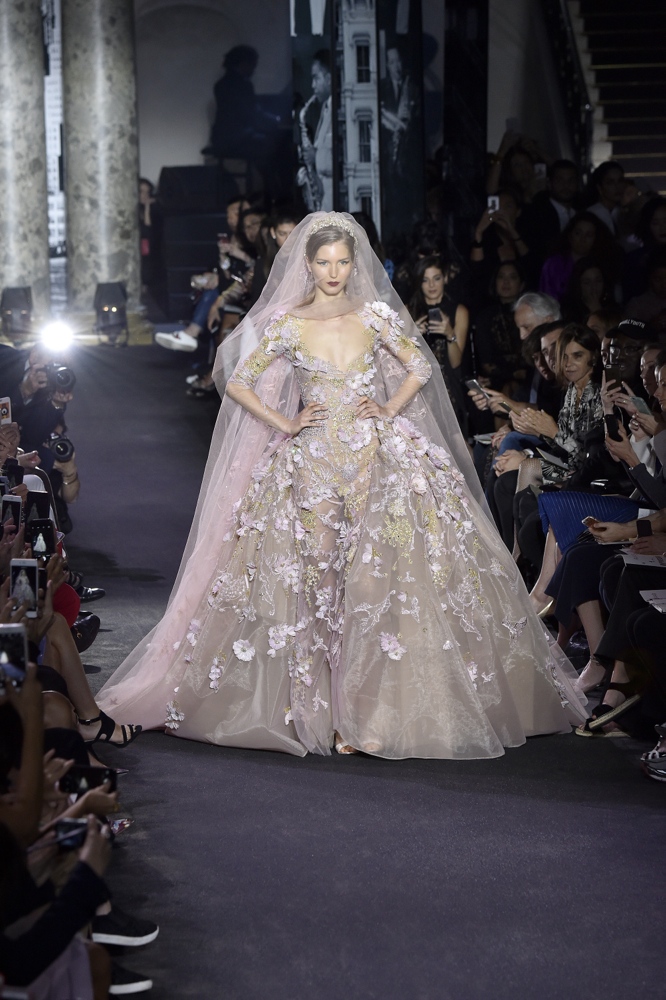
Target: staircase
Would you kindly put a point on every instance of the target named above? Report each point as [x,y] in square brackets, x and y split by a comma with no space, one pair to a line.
[622,48]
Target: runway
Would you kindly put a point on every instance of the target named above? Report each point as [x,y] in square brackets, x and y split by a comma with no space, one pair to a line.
[538,875]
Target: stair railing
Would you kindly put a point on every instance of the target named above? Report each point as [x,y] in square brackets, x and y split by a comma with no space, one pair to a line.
[573,85]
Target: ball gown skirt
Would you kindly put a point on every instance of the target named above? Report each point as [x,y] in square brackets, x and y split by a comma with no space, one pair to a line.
[366,592]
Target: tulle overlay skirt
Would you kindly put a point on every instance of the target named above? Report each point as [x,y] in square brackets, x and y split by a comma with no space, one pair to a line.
[386,609]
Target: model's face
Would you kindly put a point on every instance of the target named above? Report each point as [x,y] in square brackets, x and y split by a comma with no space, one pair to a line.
[647,370]
[549,349]
[508,284]
[432,284]
[251,227]
[564,185]
[281,232]
[233,214]
[331,269]
[581,238]
[658,224]
[660,391]
[611,187]
[321,82]
[591,286]
[577,363]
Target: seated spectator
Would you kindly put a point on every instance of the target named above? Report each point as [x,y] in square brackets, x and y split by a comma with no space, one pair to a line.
[51,887]
[606,190]
[584,236]
[650,307]
[531,310]
[443,320]
[580,368]
[551,211]
[590,289]
[497,238]
[513,165]
[650,235]
[604,320]
[283,223]
[209,283]
[496,338]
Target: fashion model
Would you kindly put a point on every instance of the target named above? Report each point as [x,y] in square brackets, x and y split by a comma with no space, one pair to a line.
[343,586]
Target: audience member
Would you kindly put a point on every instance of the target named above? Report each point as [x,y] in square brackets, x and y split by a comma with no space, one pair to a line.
[551,211]
[606,187]
[443,320]
[583,236]
[590,289]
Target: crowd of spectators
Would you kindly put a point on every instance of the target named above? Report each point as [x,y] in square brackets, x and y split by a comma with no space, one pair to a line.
[59,805]
[549,328]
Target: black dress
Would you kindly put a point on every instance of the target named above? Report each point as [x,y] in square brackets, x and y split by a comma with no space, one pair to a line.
[438,344]
[497,346]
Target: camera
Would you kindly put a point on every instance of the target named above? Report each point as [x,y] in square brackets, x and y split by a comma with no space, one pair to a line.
[60,378]
[62,447]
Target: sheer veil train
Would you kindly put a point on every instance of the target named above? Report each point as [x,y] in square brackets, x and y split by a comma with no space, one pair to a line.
[149,678]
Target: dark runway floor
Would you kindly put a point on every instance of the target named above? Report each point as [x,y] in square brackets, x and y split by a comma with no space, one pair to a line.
[539,875]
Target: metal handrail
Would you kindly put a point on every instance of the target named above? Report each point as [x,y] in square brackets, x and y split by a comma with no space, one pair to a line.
[573,85]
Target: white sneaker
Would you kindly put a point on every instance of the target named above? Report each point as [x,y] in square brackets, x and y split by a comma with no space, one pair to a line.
[178,341]
[191,379]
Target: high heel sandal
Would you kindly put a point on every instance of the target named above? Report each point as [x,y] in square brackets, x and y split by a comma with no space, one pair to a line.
[342,747]
[105,732]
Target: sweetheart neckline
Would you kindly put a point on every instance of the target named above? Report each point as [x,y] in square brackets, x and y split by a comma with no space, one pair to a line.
[317,357]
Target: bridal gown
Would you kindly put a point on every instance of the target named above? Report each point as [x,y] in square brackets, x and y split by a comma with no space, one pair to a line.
[366,591]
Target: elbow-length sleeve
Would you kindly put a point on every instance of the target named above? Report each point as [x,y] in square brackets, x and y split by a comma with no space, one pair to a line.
[276,341]
[388,327]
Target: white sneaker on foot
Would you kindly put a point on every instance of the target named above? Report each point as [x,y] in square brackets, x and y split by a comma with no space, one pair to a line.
[178,341]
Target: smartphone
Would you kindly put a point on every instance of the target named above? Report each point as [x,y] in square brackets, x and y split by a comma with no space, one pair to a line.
[80,778]
[24,585]
[40,535]
[474,386]
[552,459]
[643,527]
[434,316]
[540,170]
[14,473]
[493,203]
[640,405]
[13,655]
[5,410]
[4,486]
[37,506]
[71,833]
[612,426]
[589,521]
[613,374]
[505,406]
[11,510]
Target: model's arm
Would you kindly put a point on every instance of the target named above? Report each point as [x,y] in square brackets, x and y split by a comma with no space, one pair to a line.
[418,368]
[240,388]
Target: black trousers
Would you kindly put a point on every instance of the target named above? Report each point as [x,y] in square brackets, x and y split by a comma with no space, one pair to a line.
[500,495]
[620,590]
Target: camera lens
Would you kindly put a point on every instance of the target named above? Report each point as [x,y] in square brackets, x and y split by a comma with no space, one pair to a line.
[65,379]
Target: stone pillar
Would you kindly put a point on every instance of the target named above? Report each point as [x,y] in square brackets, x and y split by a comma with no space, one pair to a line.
[24,231]
[101,148]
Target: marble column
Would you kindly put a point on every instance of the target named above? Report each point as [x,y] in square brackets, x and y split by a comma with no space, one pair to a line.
[101,148]
[24,232]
